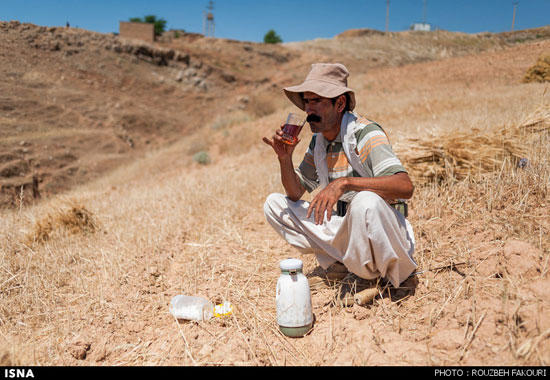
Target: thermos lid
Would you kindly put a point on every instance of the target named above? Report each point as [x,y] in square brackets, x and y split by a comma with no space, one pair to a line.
[291,265]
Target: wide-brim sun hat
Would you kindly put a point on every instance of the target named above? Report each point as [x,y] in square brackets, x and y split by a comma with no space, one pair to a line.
[328,80]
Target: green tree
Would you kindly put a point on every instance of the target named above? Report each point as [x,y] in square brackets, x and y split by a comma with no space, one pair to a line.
[272,38]
[159,24]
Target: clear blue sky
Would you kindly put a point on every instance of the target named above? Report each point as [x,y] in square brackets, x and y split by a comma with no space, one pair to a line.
[293,20]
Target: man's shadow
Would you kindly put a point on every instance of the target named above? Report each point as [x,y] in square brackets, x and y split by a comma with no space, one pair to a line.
[406,289]
[346,288]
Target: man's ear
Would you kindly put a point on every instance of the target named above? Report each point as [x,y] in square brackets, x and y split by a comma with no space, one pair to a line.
[341,103]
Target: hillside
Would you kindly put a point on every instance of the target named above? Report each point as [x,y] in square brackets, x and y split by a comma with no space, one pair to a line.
[128,219]
[77,104]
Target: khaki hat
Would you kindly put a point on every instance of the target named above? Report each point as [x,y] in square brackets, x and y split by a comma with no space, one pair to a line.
[328,80]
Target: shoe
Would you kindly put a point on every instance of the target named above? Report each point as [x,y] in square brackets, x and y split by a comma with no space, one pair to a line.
[329,277]
[337,271]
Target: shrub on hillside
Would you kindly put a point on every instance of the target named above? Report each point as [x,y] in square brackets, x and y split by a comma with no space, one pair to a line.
[202,158]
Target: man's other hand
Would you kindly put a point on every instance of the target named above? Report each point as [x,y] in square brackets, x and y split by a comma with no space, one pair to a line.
[325,201]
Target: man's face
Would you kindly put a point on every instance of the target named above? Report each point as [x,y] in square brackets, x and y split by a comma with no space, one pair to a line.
[322,115]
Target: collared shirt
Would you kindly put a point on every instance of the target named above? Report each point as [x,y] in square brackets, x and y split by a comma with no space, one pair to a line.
[373,146]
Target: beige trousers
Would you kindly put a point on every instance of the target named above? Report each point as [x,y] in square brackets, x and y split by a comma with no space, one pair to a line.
[372,240]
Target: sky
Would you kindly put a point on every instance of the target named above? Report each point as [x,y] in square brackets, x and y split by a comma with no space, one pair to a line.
[292,20]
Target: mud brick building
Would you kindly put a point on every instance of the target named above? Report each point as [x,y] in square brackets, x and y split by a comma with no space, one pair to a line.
[137,30]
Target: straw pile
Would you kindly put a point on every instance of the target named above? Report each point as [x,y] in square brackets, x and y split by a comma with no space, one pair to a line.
[540,71]
[460,154]
[72,218]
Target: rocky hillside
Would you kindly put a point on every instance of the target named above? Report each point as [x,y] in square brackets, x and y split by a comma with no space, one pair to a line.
[75,103]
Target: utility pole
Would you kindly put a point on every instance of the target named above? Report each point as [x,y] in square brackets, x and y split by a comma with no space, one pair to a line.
[387,14]
[424,13]
[515,3]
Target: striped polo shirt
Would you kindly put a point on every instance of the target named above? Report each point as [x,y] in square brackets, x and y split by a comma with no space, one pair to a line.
[374,149]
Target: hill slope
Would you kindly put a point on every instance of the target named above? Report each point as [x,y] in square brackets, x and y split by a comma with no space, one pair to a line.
[76,104]
[87,276]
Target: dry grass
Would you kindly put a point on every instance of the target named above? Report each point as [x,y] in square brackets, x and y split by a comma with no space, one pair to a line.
[460,154]
[475,224]
[367,48]
[169,226]
[540,71]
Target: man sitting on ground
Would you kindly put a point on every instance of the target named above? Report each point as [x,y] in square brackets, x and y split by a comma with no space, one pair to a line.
[351,159]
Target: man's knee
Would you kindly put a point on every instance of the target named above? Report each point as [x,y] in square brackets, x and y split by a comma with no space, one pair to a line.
[273,202]
[366,201]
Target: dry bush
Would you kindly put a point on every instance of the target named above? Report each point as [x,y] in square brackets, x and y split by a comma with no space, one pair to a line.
[540,71]
[72,218]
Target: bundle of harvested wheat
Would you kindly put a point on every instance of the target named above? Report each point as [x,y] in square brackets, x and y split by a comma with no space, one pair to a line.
[540,71]
[462,153]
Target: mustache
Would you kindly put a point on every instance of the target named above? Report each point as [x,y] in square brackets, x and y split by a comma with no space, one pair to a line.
[314,118]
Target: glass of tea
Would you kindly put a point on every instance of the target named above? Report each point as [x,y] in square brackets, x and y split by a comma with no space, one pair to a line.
[292,128]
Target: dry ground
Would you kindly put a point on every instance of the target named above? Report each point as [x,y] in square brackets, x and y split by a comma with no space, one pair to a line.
[87,275]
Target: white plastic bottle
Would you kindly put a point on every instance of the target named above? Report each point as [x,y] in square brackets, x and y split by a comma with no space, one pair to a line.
[294,311]
[191,308]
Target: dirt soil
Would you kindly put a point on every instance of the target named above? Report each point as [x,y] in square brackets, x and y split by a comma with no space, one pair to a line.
[75,105]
